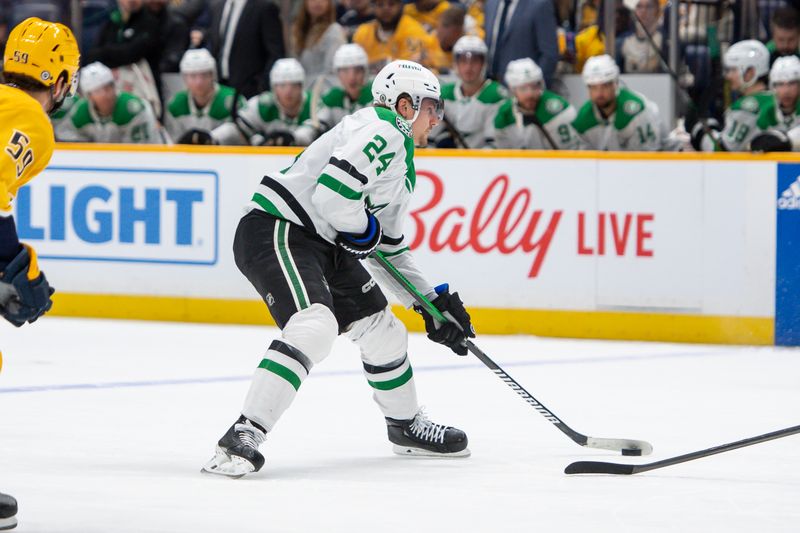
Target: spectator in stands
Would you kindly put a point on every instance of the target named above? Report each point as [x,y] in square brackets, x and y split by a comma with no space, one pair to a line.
[173,31]
[393,35]
[271,118]
[449,29]
[617,118]
[785,34]
[426,12]
[129,43]
[246,38]
[316,37]
[746,65]
[354,92]
[204,104]
[521,28]
[592,41]
[535,119]
[471,102]
[359,13]
[109,116]
[638,50]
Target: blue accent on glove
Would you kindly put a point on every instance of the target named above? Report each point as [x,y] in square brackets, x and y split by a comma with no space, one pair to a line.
[362,244]
[444,287]
[33,296]
[369,233]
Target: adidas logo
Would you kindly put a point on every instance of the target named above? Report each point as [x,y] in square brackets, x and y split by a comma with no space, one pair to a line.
[790,198]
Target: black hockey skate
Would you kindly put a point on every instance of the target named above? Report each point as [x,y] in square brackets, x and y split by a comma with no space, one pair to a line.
[419,436]
[8,512]
[237,451]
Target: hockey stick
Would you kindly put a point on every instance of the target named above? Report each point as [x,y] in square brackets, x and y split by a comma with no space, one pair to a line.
[626,446]
[596,467]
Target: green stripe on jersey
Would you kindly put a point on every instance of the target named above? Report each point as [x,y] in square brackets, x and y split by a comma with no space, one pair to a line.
[267,206]
[339,187]
[399,381]
[280,370]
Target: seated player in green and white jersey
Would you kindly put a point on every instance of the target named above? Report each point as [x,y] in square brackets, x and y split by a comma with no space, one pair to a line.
[784,123]
[535,119]
[746,67]
[272,117]
[354,93]
[617,118]
[471,102]
[204,104]
[109,116]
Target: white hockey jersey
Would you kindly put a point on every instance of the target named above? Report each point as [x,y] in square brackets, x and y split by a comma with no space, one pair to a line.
[132,121]
[183,115]
[261,116]
[549,128]
[471,116]
[364,162]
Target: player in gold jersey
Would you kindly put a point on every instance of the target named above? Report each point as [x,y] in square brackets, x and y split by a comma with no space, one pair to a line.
[40,67]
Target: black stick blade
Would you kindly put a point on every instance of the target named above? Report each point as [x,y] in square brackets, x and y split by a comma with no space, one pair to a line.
[597,467]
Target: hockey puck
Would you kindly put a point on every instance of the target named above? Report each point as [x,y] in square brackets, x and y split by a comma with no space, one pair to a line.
[631,451]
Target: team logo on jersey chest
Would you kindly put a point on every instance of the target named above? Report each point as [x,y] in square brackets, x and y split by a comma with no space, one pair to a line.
[553,106]
[632,107]
[750,104]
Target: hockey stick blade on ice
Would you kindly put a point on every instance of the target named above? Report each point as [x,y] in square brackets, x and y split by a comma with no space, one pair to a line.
[626,446]
[597,467]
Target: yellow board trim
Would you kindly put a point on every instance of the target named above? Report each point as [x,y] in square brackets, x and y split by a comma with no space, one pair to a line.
[573,324]
[448,153]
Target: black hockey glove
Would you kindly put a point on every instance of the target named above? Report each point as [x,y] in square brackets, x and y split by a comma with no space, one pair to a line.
[771,141]
[699,130]
[32,298]
[360,246]
[451,335]
[196,136]
[279,138]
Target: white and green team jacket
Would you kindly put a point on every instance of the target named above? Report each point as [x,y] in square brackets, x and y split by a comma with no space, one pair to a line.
[747,117]
[259,117]
[131,121]
[554,115]
[635,125]
[471,116]
[183,114]
[364,162]
[333,107]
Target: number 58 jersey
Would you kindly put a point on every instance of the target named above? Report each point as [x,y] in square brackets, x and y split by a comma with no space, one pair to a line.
[26,136]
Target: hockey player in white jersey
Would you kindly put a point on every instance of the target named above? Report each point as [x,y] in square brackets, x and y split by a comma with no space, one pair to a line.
[204,105]
[353,93]
[746,67]
[106,115]
[272,117]
[783,134]
[300,245]
[535,119]
[617,118]
[471,102]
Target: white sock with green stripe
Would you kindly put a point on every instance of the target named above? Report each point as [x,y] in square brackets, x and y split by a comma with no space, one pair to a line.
[275,383]
[393,388]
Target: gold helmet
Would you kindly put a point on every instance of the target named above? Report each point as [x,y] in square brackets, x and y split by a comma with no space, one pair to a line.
[42,51]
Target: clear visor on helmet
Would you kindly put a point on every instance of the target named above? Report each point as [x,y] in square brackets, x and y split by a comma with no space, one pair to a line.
[432,106]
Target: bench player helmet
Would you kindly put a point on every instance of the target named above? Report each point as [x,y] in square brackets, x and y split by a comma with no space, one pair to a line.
[43,51]
[523,71]
[287,70]
[745,55]
[95,75]
[198,60]
[599,70]
[407,78]
[349,55]
[784,70]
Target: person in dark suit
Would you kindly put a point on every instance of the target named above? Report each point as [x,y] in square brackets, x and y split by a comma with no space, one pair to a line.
[246,38]
[521,28]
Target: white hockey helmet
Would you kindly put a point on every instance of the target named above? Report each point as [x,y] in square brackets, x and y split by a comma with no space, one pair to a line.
[600,69]
[523,71]
[401,77]
[745,55]
[287,70]
[349,55]
[784,70]
[470,44]
[93,76]
[198,60]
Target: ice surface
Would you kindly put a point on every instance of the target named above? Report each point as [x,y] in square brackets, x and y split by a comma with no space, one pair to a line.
[104,426]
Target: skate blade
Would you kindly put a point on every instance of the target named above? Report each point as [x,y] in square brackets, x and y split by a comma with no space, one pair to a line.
[226,465]
[8,523]
[410,451]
